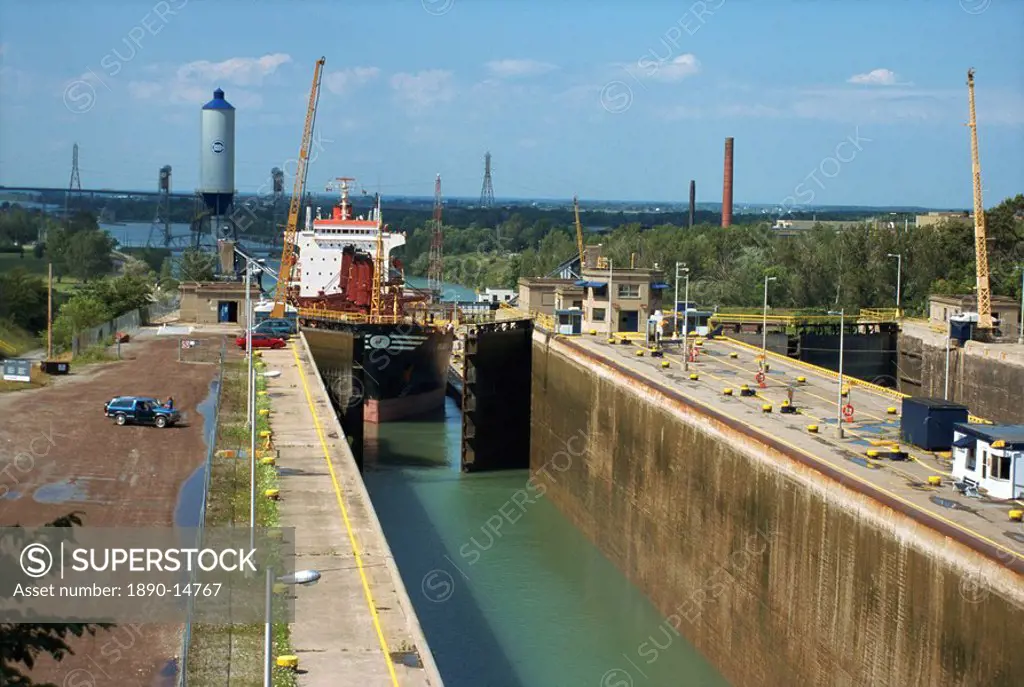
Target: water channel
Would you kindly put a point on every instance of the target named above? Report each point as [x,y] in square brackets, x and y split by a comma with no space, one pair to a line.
[534,606]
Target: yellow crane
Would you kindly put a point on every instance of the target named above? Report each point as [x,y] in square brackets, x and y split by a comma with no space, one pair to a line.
[980,239]
[284,276]
[579,231]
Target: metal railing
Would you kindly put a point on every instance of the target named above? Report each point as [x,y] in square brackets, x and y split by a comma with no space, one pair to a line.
[186,635]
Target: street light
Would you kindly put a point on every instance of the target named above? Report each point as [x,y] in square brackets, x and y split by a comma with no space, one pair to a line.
[609,315]
[899,277]
[1020,332]
[764,321]
[839,393]
[686,316]
[304,578]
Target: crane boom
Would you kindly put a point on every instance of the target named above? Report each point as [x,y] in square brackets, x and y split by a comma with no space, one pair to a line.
[984,292]
[579,231]
[284,276]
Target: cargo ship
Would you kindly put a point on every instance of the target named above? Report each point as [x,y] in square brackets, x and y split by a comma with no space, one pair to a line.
[353,302]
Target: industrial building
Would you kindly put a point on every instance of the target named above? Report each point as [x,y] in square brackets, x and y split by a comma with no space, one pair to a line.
[1005,312]
[215,302]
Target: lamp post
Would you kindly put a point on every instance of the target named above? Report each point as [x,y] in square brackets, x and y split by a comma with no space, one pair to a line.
[1020,332]
[899,277]
[304,578]
[675,304]
[764,321]
[251,405]
[609,298]
[839,393]
[686,320]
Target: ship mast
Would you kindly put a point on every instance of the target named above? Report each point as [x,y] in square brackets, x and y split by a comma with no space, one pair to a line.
[378,267]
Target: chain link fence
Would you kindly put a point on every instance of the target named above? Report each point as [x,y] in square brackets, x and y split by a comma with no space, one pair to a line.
[186,635]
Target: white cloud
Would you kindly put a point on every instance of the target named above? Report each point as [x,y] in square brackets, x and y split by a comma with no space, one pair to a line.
[876,77]
[193,83]
[675,69]
[516,68]
[424,89]
[344,80]
[241,71]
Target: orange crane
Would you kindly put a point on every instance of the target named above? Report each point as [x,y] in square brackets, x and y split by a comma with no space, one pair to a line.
[980,239]
[288,256]
[579,231]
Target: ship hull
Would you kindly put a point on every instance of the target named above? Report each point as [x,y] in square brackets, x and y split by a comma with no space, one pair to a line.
[402,369]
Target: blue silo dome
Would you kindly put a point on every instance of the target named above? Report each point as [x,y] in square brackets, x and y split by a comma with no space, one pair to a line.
[218,102]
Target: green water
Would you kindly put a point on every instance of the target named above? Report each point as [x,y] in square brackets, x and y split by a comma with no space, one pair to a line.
[535,605]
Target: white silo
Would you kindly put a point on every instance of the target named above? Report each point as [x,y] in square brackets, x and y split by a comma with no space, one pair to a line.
[217,154]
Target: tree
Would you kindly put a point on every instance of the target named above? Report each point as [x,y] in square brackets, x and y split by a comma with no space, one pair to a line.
[23,299]
[78,314]
[197,266]
[21,644]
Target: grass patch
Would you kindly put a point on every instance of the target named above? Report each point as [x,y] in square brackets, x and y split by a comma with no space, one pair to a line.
[14,340]
[232,655]
[38,267]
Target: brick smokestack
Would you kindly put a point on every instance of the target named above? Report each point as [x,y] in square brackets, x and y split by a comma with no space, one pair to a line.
[693,200]
[727,185]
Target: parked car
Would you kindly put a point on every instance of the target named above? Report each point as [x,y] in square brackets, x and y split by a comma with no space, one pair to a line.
[275,327]
[261,341]
[140,410]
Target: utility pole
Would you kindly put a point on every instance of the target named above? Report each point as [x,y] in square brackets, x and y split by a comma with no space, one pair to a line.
[1020,332]
[764,321]
[49,313]
[899,275]
[609,298]
[839,392]
[686,322]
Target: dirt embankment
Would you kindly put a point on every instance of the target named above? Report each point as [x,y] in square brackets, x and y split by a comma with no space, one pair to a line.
[58,454]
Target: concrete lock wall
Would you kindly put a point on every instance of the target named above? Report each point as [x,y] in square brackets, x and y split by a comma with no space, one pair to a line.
[989,382]
[775,573]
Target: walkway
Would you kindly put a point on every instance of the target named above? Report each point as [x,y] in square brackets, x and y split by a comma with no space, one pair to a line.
[357,625]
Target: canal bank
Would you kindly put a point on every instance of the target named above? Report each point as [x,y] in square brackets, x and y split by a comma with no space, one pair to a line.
[508,592]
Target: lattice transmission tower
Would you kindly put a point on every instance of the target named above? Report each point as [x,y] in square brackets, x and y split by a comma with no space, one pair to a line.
[74,184]
[487,192]
[435,270]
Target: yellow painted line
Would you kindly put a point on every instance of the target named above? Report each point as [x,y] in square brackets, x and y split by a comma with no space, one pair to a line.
[858,478]
[348,525]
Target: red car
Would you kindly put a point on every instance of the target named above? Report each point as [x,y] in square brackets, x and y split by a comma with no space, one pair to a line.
[261,341]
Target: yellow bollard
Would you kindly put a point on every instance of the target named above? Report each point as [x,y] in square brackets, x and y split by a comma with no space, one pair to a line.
[611,340]
[1017,515]
[639,352]
[593,332]
[891,410]
[694,376]
[802,379]
[272,494]
[263,411]
[268,460]
[664,363]
[265,434]
[289,661]
[766,408]
[727,391]
[734,355]
[935,480]
[813,429]
[872,453]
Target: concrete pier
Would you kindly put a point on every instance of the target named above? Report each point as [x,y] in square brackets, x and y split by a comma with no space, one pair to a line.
[787,557]
[357,626]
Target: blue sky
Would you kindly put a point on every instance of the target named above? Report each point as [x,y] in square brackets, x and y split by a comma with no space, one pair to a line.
[607,99]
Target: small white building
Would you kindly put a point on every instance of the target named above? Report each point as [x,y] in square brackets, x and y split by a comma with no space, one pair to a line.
[991,457]
[496,296]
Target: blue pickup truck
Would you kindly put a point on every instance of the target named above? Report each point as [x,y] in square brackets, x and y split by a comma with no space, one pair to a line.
[140,410]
